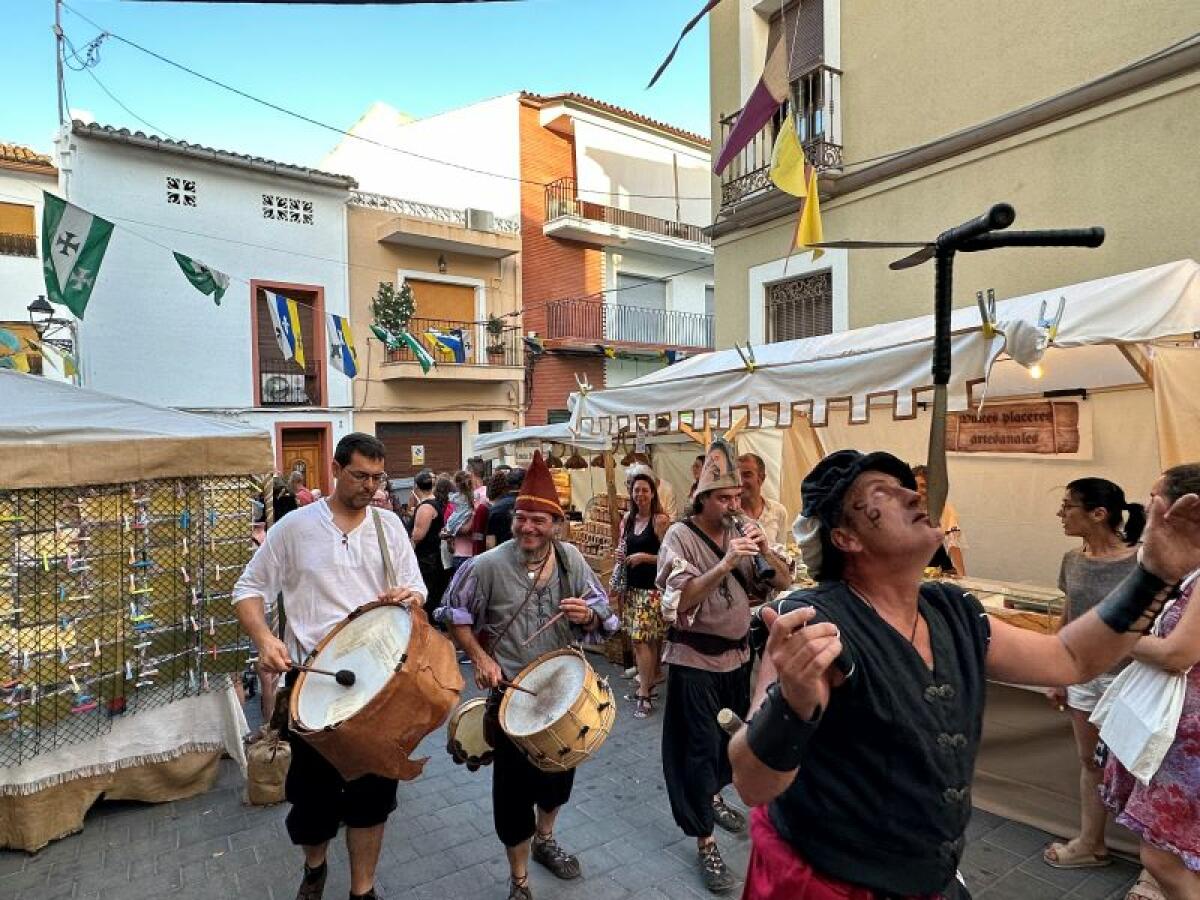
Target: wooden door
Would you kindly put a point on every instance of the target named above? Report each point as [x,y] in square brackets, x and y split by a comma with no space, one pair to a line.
[303,449]
[446,302]
[440,445]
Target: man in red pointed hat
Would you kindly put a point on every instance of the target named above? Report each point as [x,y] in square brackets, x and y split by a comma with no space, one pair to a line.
[504,608]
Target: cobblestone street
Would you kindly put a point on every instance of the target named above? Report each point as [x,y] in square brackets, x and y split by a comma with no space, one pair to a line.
[440,843]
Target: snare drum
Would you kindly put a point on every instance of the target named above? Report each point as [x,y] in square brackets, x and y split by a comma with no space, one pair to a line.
[406,681]
[569,718]
[466,740]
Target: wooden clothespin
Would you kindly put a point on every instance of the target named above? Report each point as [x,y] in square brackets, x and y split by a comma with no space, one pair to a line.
[585,387]
[733,430]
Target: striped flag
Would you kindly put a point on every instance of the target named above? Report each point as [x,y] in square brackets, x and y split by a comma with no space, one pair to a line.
[342,355]
[404,340]
[205,279]
[285,318]
[450,342]
[73,245]
[768,95]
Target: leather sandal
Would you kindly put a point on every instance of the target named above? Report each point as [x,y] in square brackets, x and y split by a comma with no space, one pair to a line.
[1069,856]
[561,863]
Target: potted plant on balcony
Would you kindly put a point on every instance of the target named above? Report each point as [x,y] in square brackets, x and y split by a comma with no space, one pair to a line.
[393,309]
[495,339]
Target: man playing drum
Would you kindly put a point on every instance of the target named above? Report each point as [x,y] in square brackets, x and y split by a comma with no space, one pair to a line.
[870,699]
[710,562]
[326,560]
[511,598]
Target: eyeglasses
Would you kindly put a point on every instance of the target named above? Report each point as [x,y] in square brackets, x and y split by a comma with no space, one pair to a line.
[364,477]
[1067,506]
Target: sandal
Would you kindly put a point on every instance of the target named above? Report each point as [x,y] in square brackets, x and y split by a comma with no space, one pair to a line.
[635,697]
[717,877]
[1145,888]
[518,888]
[732,820]
[1069,856]
[547,852]
[645,706]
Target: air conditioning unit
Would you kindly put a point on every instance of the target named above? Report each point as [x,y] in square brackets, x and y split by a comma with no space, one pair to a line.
[283,388]
[481,220]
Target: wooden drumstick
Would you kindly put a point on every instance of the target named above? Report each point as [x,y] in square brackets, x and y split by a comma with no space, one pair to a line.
[729,721]
[517,687]
[554,618]
[344,677]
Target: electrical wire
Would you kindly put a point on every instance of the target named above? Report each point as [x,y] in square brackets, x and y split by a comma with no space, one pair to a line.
[246,95]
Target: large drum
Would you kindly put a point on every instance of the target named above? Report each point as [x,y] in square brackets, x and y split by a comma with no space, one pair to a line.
[568,719]
[466,737]
[406,681]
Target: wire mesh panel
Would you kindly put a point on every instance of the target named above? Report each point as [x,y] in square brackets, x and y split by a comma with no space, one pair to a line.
[116,599]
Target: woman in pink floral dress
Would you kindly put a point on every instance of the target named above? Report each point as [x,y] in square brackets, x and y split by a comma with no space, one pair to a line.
[1165,814]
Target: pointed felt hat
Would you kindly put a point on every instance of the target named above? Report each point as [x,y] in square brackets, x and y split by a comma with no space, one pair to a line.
[538,493]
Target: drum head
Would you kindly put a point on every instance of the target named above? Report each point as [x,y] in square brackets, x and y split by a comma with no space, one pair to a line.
[371,646]
[558,682]
[466,729]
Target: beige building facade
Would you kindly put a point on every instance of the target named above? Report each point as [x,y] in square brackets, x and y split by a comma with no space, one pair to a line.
[464,270]
[1079,113]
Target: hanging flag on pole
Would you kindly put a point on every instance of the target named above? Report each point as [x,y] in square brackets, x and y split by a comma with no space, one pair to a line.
[342,355]
[788,165]
[808,229]
[205,279]
[285,318]
[73,245]
[767,96]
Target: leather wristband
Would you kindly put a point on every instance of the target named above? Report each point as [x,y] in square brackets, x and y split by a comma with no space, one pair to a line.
[1140,594]
[776,735]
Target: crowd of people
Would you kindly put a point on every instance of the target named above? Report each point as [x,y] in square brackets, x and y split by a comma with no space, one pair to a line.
[862,696]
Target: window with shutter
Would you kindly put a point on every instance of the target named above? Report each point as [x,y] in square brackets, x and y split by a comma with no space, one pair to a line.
[800,307]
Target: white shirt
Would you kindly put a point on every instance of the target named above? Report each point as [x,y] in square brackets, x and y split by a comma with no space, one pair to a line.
[323,574]
[773,521]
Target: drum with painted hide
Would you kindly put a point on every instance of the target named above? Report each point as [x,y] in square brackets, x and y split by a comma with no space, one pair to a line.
[466,737]
[406,681]
[568,719]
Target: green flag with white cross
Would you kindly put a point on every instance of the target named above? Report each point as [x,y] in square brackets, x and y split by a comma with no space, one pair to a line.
[73,245]
[205,279]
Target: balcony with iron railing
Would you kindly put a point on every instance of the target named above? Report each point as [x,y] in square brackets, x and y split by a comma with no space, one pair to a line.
[814,97]
[470,352]
[18,244]
[590,321]
[570,217]
[282,383]
[472,232]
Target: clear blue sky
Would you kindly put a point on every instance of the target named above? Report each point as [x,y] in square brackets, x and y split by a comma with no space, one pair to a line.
[331,62]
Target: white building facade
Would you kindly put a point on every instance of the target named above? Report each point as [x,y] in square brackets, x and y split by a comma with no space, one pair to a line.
[148,334]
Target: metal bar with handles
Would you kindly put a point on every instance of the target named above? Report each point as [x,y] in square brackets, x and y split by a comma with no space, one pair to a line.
[998,217]
[1061,237]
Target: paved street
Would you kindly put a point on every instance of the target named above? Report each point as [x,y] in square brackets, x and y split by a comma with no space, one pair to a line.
[440,843]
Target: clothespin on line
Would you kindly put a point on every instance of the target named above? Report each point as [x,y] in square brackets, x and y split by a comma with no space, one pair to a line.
[747,356]
[732,432]
[987,312]
[703,438]
[585,386]
[1051,325]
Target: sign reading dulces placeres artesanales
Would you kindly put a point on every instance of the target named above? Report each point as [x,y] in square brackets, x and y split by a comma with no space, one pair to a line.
[1049,427]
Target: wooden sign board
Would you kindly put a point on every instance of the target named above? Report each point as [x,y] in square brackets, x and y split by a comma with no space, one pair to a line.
[1044,428]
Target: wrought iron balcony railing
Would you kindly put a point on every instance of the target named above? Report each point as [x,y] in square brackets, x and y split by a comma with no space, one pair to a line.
[590,320]
[562,199]
[17,244]
[282,383]
[814,95]
[466,344]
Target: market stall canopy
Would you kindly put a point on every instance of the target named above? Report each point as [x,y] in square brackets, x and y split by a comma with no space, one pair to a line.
[493,443]
[890,362]
[54,434]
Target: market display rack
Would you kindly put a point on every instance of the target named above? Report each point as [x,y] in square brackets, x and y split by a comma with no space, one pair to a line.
[116,599]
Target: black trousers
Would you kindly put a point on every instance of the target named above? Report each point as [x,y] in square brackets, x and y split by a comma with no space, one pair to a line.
[322,800]
[517,787]
[695,750]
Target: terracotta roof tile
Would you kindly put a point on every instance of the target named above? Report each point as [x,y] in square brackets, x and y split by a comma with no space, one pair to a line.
[584,100]
[16,153]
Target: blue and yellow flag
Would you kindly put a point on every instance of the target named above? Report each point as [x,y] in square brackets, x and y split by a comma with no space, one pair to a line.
[342,355]
[285,318]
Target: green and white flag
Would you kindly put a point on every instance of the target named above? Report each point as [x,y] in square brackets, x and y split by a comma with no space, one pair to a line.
[205,279]
[402,341]
[73,245]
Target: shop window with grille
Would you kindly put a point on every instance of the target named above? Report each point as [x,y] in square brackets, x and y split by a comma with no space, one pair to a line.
[800,307]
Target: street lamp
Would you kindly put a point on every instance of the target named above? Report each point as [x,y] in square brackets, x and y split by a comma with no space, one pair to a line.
[48,326]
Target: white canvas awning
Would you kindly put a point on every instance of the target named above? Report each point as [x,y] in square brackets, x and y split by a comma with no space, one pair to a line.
[890,362]
[493,443]
[55,434]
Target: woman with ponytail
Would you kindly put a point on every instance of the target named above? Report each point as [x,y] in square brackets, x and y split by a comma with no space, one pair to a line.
[1094,510]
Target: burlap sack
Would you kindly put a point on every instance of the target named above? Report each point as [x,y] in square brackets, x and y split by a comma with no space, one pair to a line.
[267,763]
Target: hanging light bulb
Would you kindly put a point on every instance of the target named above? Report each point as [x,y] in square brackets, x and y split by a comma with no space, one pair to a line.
[1035,371]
